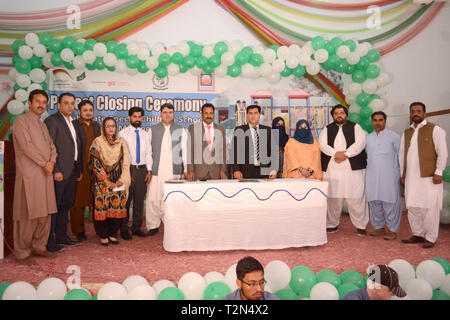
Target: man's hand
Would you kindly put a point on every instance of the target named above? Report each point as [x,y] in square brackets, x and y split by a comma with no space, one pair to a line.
[119,183]
[340,156]
[185,174]
[402,181]
[437,179]
[238,175]
[190,176]
[223,176]
[110,185]
[48,168]
[58,177]
[80,177]
[148,177]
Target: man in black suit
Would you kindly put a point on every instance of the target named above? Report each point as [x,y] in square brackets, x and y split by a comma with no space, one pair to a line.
[252,148]
[67,169]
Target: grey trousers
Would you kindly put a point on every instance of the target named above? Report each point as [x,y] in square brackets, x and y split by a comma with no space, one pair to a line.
[136,194]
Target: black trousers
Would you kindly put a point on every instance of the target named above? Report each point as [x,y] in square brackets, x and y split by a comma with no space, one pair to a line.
[136,194]
[108,227]
[253,172]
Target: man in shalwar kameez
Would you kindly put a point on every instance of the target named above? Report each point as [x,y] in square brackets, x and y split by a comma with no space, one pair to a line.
[383,178]
[34,194]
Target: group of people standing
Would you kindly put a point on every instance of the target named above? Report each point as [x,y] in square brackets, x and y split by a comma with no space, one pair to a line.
[65,165]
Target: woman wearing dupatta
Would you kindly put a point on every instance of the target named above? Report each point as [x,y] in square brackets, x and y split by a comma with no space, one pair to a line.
[302,154]
[110,163]
[278,124]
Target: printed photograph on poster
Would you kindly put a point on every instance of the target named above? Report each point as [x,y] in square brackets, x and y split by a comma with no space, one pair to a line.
[206,82]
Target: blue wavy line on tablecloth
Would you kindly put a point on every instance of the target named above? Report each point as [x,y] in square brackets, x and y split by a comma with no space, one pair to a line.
[234,195]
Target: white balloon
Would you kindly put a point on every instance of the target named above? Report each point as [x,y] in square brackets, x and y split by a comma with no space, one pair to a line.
[404,270]
[173,69]
[221,71]
[208,51]
[67,55]
[283,52]
[213,276]
[79,64]
[171,50]
[81,40]
[227,59]
[110,59]
[369,86]
[350,99]
[12,74]
[15,107]
[39,50]
[192,285]
[183,48]
[445,287]
[151,63]
[230,277]
[142,292]
[131,72]
[354,108]
[278,66]
[195,71]
[307,48]
[376,105]
[25,52]
[273,78]
[89,56]
[304,58]
[158,48]
[23,80]
[20,290]
[34,86]
[265,69]
[292,62]
[353,58]
[247,70]
[321,55]
[444,217]
[51,289]
[355,88]
[294,50]
[37,75]
[134,281]
[313,67]
[432,272]
[121,66]
[31,39]
[100,49]
[343,51]
[47,60]
[324,291]
[133,48]
[269,55]
[160,285]
[361,49]
[112,291]
[21,95]
[278,274]
[255,73]
[235,46]
[259,49]
[143,53]
[419,289]
[383,79]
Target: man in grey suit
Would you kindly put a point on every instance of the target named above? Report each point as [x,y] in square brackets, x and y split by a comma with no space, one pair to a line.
[206,148]
[67,170]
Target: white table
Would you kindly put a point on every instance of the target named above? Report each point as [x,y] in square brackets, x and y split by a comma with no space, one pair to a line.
[228,214]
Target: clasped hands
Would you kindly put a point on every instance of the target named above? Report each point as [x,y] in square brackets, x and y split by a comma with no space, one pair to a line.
[340,156]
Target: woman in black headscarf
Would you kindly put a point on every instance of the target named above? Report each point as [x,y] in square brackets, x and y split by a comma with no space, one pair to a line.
[278,124]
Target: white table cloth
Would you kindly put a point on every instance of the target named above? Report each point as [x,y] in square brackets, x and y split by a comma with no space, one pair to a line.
[228,214]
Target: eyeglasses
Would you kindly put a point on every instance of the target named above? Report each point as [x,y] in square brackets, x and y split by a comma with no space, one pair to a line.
[110,126]
[254,284]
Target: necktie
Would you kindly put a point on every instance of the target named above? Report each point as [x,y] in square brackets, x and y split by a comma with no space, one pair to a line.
[138,147]
[208,136]
[256,143]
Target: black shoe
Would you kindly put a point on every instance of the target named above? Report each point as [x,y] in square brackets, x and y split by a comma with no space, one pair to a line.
[428,244]
[152,232]
[81,237]
[104,242]
[113,240]
[414,239]
[332,230]
[68,242]
[125,236]
[139,233]
[361,232]
[56,249]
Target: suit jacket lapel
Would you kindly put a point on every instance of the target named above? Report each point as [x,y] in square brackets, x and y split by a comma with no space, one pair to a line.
[63,120]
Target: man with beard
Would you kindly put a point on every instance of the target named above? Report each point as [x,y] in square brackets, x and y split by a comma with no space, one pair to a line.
[140,149]
[423,157]
[344,163]
[87,129]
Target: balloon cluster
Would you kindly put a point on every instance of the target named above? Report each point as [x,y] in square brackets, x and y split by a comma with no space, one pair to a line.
[430,280]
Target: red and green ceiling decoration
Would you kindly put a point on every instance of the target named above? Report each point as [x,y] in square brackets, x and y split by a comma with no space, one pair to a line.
[297,34]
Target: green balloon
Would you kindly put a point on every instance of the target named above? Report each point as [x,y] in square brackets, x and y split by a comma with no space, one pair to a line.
[90,66]
[326,65]
[363,99]
[56,59]
[54,45]
[176,58]
[161,72]
[302,280]
[208,69]
[78,48]
[94,297]
[90,43]
[351,44]
[444,263]
[69,65]
[142,67]
[68,42]
[341,65]
[349,68]
[35,62]
[256,59]
[111,46]
[196,50]
[99,64]
[77,294]
[365,112]
[247,50]
[358,76]
[121,51]
[44,85]
[17,44]
[164,59]
[366,124]
[329,276]
[362,64]
[351,276]
[202,62]
[45,38]
[216,291]
[183,69]
[299,71]
[374,96]
[220,48]
[345,288]
[214,61]
[234,70]
[274,47]
[171,293]
[22,66]
[286,72]
[373,55]
[4,285]
[318,42]
[286,294]
[16,87]
[111,68]
[333,60]
[439,295]
[356,118]
[188,62]
[372,71]
[241,58]
[336,42]
[132,61]
[331,49]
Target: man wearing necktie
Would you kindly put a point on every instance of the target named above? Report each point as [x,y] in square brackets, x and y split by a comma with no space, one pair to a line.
[140,149]
[206,148]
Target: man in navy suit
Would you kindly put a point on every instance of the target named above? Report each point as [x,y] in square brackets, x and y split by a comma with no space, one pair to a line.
[67,170]
[252,144]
